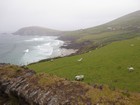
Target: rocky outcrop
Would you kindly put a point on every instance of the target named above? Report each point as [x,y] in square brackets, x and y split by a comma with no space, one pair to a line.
[22,86]
[31,89]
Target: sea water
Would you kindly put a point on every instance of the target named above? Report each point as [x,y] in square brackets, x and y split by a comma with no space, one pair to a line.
[22,50]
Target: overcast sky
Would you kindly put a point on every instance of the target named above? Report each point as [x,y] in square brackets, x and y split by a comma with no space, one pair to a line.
[62,14]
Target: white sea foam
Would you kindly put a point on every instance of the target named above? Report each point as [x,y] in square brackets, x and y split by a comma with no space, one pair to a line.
[47,44]
[35,39]
[44,49]
[26,51]
[48,49]
[44,38]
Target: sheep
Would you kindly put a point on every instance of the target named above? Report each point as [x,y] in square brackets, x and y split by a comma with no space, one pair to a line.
[79,60]
[79,77]
[130,69]
[132,45]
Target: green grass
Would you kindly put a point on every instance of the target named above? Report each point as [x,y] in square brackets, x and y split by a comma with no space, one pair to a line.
[106,65]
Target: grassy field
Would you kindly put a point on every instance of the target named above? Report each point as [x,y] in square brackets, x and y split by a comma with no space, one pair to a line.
[106,65]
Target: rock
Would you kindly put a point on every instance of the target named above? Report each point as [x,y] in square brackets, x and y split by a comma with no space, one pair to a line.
[24,85]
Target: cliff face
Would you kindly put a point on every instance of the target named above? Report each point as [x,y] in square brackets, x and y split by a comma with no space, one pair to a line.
[22,86]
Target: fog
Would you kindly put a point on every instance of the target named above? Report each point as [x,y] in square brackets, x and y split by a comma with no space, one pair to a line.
[62,14]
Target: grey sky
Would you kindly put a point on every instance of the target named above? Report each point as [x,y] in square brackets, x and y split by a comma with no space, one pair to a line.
[62,14]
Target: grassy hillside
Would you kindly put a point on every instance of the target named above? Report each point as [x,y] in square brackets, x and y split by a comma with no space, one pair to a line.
[122,28]
[106,65]
[22,86]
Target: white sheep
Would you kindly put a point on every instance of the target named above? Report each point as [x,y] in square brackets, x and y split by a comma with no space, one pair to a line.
[131,69]
[79,77]
[132,45]
[79,60]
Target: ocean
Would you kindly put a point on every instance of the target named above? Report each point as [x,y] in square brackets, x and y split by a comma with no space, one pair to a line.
[22,50]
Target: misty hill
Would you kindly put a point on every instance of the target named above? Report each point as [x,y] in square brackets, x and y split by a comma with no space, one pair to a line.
[122,28]
[35,30]
[125,27]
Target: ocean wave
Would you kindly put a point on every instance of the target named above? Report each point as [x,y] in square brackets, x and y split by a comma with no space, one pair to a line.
[35,39]
[57,43]
[44,49]
[26,51]
[22,50]
[49,49]
[44,38]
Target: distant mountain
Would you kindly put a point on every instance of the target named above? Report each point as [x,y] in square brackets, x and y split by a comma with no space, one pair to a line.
[35,30]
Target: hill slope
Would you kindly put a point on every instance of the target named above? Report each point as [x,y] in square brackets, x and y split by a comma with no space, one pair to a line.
[106,65]
[35,30]
[122,28]
[22,86]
